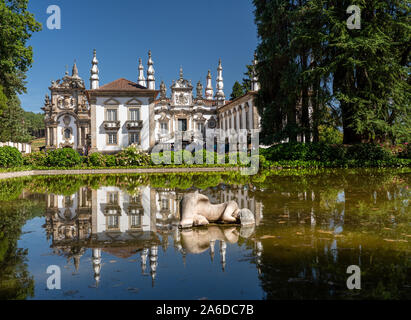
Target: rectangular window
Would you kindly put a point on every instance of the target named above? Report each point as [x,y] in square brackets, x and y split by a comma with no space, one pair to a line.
[112,198]
[135,221]
[111,115]
[182,125]
[135,114]
[164,126]
[200,126]
[164,204]
[134,137]
[112,138]
[112,222]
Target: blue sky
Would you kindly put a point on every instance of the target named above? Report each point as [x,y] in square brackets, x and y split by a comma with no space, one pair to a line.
[189,33]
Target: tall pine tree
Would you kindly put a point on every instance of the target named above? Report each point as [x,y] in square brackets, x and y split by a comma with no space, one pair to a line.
[311,61]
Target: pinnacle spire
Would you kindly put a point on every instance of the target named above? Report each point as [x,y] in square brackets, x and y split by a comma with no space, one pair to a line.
[220,83]
[209,92]
[75,70]
[94,77]
[255,86]
[141,79]
[151,81]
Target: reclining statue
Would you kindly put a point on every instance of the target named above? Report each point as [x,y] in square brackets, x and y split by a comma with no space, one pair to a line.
[197,210]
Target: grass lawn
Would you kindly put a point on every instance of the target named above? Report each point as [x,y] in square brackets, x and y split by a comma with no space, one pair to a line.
[36,144]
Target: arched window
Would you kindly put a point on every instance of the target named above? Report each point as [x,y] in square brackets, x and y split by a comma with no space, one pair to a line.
[67,133]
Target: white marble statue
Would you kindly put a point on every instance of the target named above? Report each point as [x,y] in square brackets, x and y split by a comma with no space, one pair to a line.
[197,210]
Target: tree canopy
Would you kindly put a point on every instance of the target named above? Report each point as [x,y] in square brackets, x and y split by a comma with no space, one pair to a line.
[17,25]
[16,57]
[238,91]
[312,67]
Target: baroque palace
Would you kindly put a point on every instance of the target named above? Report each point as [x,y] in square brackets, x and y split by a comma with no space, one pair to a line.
[116,115]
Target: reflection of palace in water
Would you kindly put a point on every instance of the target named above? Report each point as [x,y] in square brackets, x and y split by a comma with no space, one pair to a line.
[113,221]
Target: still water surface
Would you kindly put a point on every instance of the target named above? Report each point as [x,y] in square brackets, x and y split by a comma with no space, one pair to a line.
[115,237]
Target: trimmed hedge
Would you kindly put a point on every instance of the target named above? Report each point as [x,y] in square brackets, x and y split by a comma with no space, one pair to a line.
[38,159]
[289,155]
[10,157]
[325,152]
[63,158]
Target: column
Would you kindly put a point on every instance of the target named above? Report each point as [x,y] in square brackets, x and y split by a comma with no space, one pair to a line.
[47,137]
[243,117]
[250,117]
[255,117]
[238,127]
[93,125]
[55,136]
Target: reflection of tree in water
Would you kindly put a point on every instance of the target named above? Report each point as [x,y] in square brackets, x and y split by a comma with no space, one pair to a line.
[15,280]
[313,273]
[320,225]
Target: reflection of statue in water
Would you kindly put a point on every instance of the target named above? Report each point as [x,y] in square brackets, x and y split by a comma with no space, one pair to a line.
[197,210]
[199,240]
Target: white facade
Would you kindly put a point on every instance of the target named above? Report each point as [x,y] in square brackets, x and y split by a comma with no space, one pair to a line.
[123,109]
[121,113]
[114,212]
[66,131]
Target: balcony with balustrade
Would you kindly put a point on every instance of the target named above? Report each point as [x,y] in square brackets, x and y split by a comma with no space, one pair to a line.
[111,125]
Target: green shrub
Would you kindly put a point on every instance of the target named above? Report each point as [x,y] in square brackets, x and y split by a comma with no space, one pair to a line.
[286,151]
[405,153]
[10,157]
[330,135]
[131,156]
[96,160]
[324,152]
[35,159]
[110,160]
[368,152]
[64,158]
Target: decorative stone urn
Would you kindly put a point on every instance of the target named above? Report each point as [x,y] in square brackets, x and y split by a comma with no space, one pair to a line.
[197,210]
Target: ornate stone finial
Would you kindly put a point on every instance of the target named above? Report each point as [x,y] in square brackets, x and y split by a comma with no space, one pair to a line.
[255,86]
[209,92]
[67,73]
[144,255]
[199,90]
[94,77]
[212,250]
[181,73]
[223,250]
[74,73]
[220,84]
[97,264]
[153,263]
[141,79]
[163,91]
[47,100]
[151,81]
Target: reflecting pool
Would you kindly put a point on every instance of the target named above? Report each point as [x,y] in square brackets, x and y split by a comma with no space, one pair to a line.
[116,237]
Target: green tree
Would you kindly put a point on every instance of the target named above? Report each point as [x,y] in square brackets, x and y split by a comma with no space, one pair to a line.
[16,57]
[237,92]
[309,57]
[34,123]
[277,69]
[13,127]
[247,79]
[3,100]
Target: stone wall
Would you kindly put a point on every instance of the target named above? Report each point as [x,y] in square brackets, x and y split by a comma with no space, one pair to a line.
[22,147]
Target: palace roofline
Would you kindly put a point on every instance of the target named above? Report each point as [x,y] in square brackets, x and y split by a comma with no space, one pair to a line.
[249,93]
